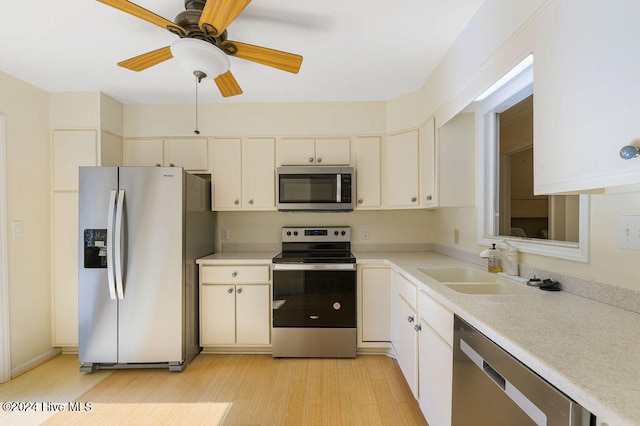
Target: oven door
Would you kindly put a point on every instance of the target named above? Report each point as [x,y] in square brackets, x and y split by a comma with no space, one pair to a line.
[314,295]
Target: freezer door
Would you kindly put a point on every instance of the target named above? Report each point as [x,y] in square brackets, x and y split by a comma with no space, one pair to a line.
[97,306]
[152,243]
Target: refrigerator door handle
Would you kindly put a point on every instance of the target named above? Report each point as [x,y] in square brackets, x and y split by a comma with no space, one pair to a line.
[110,245]
[118,245]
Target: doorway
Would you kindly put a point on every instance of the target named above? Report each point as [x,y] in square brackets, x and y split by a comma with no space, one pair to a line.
[5,352]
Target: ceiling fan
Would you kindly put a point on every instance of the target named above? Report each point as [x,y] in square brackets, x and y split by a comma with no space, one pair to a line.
[201,48]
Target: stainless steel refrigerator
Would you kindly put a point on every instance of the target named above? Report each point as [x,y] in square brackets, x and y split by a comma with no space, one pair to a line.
[140,231]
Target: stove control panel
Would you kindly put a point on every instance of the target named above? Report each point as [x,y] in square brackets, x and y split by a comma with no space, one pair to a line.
[320,234]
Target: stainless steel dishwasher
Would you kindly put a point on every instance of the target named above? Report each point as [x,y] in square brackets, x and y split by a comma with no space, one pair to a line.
[490,387]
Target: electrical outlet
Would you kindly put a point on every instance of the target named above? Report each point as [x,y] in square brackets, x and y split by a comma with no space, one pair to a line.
[226,234]
[629,232]
[456,236]
[18,228]
[365,233]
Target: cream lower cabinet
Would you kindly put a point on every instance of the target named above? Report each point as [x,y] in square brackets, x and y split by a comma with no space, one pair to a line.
[435,361]
[404,328]
[235,305]
[374,328]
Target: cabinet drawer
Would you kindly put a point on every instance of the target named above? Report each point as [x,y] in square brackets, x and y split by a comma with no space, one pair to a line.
[407,290]
[437,316]
[231,274]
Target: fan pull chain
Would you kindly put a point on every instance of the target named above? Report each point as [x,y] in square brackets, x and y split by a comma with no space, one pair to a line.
[199,76]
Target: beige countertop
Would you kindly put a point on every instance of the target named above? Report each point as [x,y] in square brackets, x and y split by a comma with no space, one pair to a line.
[588,350]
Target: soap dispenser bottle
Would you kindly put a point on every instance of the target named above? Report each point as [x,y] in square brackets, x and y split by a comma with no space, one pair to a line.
[493,260]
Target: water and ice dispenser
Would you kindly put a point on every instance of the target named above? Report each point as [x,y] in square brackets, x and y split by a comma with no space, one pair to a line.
[95,248]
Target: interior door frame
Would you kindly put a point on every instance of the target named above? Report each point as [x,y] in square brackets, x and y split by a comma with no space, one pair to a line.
[5,341]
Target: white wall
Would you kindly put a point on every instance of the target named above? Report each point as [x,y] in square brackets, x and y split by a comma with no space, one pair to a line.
[28,199]
[256,119]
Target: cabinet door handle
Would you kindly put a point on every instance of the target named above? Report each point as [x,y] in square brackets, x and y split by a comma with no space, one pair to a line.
[251,202]
[311,159]
[236,202]
[628,152]
[429,197]
[413,199]
[417,327]
[234,274]
[239,290]
[319,160]
[359,200]
[230,290]
[410,318]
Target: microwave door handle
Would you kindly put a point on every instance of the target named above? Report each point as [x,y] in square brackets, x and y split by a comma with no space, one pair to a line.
[339,191]
[110,245]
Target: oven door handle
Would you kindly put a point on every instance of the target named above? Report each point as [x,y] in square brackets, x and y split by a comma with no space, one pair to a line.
[314,266]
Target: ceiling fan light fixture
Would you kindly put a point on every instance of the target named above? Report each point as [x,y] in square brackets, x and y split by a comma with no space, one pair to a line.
[200,56]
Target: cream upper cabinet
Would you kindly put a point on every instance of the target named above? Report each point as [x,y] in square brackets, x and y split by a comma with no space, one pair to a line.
[455,151]
[243,174]
[402,169]
[315,151]
[368,171]
[428,164]
[586,95]
[190,154]
[143,152]
[258,174]
[226,177]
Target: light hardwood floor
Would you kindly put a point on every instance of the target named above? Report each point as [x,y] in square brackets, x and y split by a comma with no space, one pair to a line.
[222,389]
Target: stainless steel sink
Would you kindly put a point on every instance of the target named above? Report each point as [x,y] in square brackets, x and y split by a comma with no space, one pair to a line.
[473,281]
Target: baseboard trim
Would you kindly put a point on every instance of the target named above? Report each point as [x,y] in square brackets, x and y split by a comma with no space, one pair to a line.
[34,362]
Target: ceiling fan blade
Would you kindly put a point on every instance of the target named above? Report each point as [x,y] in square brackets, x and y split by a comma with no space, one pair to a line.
[142,13]
[227,84]
[289,62]
[218,14]
[147,60]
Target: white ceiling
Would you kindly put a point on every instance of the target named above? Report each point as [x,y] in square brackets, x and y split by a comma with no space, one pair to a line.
[354,50]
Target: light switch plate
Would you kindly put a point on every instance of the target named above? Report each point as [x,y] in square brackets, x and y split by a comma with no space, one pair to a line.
[629,232]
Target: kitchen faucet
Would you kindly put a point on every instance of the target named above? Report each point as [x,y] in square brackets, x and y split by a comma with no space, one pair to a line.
[509,259]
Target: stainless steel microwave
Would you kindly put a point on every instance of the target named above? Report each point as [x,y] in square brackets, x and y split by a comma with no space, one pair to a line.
[309,188]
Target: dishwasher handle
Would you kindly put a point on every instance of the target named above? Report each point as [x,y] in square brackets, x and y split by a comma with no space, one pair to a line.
[525,404]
